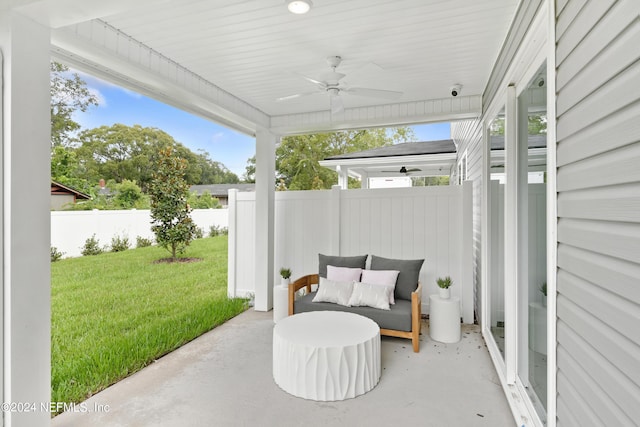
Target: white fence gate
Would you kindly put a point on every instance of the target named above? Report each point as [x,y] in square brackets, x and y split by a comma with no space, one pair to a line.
[434,223]
[70,229]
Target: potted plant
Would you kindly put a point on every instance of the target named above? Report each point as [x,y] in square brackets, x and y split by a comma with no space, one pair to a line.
[444,284]
[285,273]
[543,289]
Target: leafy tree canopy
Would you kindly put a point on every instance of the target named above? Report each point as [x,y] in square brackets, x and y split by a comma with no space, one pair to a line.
[69,93]
[122,152]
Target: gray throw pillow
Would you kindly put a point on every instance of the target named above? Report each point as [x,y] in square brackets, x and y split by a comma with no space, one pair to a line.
[339,261]
[408,277]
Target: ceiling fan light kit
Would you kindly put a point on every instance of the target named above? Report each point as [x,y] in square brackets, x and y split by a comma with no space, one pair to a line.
[299,7]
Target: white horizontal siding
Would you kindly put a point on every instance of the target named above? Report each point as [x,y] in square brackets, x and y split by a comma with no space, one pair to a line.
[467,135]
[598,183]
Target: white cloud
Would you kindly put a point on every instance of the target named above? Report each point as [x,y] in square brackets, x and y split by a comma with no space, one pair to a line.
[102,101]
[217,137]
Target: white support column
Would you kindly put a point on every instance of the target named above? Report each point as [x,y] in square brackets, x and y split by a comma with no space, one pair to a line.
[265,218]
[335,219]
[26,308]
[364,183]
[343,178]
[232,253]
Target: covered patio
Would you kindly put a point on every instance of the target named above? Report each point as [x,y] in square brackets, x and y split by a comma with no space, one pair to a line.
[223,378]
[255,67]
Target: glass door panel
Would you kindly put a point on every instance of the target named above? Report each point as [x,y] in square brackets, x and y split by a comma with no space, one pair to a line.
[497,183]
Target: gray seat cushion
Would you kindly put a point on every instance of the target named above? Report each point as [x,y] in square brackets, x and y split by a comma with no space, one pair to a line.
[398,318]
[407,279]
[339,261]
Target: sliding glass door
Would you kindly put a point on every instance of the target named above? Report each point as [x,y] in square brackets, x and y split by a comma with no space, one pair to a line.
[532,239]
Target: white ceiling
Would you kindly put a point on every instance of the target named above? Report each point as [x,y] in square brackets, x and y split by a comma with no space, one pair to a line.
[229,60]
[253,48]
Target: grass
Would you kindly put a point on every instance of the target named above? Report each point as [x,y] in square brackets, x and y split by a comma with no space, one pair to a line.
[115,313]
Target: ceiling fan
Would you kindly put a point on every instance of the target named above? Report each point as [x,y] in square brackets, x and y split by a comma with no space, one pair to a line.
[403,170]
[330,83]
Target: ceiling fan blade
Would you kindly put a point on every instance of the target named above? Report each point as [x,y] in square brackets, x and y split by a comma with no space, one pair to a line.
[323,85]
[414,170]
[337,106]
[374,93]
[297,95]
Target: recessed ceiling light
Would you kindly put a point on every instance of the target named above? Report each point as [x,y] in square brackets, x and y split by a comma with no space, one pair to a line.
[299,6]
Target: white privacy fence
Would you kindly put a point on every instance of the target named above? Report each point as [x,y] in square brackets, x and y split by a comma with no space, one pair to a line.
[433,223]
[70,229]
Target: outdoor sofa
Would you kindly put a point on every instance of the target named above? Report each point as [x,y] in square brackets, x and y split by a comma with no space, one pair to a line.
[401,320]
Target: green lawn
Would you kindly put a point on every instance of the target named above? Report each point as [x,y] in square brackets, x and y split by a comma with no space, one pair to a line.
[113,314]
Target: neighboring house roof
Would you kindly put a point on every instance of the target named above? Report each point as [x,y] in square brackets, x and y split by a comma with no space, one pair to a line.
[535,141]
[217,190]
[61,189]
[431,158]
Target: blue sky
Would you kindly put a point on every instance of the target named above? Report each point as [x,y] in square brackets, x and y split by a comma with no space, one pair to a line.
[118,105]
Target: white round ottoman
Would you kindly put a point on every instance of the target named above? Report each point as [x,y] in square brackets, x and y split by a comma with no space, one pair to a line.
[326,355]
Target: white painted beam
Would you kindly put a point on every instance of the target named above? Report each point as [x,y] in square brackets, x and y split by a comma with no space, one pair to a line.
[408,113]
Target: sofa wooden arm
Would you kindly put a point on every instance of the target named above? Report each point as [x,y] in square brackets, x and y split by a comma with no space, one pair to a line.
[416,317]
[304,281]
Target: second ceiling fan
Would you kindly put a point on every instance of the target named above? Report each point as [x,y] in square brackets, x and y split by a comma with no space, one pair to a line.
[332,84]
[403,170]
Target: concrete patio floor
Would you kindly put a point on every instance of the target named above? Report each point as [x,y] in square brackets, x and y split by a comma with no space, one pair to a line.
[224,378]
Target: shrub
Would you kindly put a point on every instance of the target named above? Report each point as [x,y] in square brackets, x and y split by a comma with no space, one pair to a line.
[170,212]
[92,247]
[119,244]
[216,230]
[198,233]
[56,255]
[143,242]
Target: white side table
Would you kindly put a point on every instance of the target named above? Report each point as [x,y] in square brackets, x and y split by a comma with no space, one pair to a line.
[326,355]
[280,302]
[444,319]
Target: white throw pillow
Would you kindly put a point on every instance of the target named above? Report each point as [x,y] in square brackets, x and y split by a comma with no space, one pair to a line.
[386,278]
[343,274]
[369,295]
[335,292]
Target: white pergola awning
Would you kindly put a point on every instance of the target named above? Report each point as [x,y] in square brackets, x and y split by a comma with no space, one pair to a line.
[427,158]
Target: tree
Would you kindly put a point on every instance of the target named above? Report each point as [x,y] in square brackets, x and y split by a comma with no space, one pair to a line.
[169,191]
[128,194]
[122,152]
[297,157]
[69,93]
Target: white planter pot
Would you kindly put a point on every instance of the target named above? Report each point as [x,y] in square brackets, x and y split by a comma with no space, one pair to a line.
[284,282]
[445,293]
